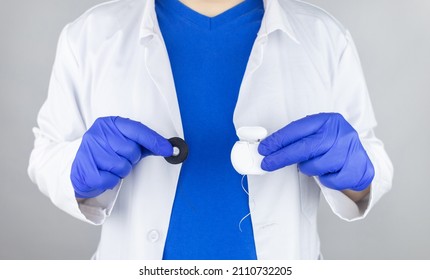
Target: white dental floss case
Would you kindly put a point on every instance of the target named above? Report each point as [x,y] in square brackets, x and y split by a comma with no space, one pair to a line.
[244,155]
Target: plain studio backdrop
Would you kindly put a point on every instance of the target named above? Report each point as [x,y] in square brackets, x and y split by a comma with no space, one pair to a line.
[393,39]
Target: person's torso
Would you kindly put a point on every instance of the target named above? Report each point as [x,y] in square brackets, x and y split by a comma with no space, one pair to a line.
[126,72]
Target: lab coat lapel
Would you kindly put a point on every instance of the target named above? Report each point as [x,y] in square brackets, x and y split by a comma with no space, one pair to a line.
[265,100]
[159,69]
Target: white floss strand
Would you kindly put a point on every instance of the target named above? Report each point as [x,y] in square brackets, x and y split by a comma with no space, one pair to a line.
[247,215]
[243,188]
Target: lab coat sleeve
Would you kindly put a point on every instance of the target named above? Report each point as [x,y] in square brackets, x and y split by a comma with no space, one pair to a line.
[58,137]
[351,99]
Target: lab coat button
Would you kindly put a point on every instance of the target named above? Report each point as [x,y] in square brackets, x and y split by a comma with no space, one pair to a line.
[153,236]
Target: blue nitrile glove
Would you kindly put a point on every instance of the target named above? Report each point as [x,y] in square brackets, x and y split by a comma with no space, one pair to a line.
[108,152]
[323,145]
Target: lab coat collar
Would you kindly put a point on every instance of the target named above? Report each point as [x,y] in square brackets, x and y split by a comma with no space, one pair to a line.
[275,18]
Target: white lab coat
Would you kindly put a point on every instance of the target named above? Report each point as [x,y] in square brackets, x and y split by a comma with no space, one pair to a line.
[113,61]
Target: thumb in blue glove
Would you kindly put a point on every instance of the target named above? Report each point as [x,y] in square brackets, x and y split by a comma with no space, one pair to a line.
[109,150]
[323,145]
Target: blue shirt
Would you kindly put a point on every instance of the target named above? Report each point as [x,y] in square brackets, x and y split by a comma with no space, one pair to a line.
[208,57]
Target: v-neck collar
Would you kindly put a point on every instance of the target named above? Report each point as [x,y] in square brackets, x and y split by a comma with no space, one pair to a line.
[206,22]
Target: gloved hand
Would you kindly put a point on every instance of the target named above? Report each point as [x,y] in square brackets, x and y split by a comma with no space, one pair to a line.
[108,152]
[323,145]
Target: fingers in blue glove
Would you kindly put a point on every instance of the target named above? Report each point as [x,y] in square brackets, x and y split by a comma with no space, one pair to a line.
[292,133]
[296,152]
[297,142]
[144,136]
[356,174]
[323,145]
[126,148]
[331,162]
[108,151]
[88,181]
[111,162]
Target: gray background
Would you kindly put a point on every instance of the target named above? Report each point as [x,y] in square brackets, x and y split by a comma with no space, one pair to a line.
[393,38]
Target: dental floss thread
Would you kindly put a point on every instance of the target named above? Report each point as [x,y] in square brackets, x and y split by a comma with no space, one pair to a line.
[247,215]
